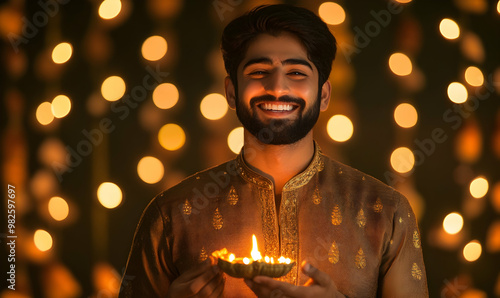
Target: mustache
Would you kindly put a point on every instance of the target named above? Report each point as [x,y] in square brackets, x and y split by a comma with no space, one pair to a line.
[285,98]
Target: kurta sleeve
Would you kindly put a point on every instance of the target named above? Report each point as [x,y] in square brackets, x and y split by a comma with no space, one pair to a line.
[402,271]
[148,271]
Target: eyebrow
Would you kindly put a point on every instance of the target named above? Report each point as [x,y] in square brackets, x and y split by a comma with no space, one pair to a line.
[265,60]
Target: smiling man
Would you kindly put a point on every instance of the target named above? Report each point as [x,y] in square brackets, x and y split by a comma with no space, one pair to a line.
[350,235]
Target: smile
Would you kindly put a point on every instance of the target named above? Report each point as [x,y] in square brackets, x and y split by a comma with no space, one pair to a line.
[274,107]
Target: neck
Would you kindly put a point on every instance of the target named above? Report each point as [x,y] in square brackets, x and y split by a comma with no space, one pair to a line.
[279,163]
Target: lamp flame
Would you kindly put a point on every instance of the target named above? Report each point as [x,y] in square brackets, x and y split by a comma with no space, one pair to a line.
[256,256]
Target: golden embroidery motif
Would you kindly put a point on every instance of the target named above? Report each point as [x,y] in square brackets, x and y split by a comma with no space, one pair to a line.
[392,242]
[217,220]
[186,208]
[400,220]
[271,242]
[340,171]
[167,218]
[333,253]
[416,272]
[363,178]
[316,196]
[361,218]
[378,206]
[336,216]
[409,215]
[360,259]
[416,239]
[232,197]
[290,232]
[304,177]
[203,255]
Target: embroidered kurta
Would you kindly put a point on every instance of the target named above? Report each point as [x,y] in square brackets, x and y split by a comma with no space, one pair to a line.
[358,230]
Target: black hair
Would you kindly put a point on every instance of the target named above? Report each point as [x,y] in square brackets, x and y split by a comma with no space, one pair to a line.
[274,20]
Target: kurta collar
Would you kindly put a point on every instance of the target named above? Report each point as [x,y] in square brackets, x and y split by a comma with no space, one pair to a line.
[297,181]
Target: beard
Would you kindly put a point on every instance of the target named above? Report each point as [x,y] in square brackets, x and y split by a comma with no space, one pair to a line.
[278,131]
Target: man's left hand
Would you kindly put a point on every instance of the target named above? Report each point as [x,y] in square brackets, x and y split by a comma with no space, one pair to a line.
[319,285]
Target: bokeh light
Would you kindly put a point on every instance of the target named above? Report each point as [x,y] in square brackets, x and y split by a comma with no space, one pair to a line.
[58,208]
[44,113]
[171,137]
[453,223]
[340,128]
[235,139]
[110,9]
[154,48]
[213,106]
[62,52]
[43,240]
[472,251]
[449,29]
[165,95]
[402,160]
[400,64]
[498,7]
[479,187]
[474,76]
[405,115]
[61,105]
[150,169]
[109,195]
[457,92]
[113,88]
[331,13]
[403,1]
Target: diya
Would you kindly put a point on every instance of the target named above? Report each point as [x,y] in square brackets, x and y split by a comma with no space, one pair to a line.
[248,267]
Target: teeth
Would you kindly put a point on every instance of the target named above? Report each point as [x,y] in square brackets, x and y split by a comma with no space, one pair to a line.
[276,107]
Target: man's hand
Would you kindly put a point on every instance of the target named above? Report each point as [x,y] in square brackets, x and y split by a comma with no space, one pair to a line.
[319,285]
[206,280]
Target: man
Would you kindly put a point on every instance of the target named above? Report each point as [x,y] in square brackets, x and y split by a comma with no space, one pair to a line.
[349,234]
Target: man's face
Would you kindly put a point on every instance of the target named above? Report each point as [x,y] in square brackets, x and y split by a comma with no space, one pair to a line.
[278,100]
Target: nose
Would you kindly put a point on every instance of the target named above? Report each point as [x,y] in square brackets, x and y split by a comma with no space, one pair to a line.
[277,84]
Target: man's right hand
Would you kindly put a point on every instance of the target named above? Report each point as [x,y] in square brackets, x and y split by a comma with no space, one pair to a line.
[206,280]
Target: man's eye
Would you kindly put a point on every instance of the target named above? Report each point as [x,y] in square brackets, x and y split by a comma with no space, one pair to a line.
[297,73]
[258,72]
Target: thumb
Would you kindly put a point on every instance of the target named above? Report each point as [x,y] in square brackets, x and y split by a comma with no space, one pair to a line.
[319,277]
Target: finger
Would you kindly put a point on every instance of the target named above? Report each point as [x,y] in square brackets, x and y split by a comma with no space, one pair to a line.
[194,286]
[277,287]
[219,289]
[319,277]
[210,287]
[198,270]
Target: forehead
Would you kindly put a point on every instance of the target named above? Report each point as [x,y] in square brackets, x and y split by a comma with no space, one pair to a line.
[277,48]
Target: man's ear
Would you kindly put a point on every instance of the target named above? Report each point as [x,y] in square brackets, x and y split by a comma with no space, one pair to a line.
[230,93]
[326,90]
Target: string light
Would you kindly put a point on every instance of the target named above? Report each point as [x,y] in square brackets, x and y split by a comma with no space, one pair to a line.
[213,106]
[235,139]
[58,208]
[449,29]
[457,92]
[400,64]
[340,128]
[44,113]
[113,88]
[474,76]
[61,105]
[331,13]
[109,9]
[453,223]
[479,187]
[472,251]
[150,169]
[154,48]
[165,96]
[109,195]
[171,137]
[402,160]
[405,115]
[42,240]
[62,52]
